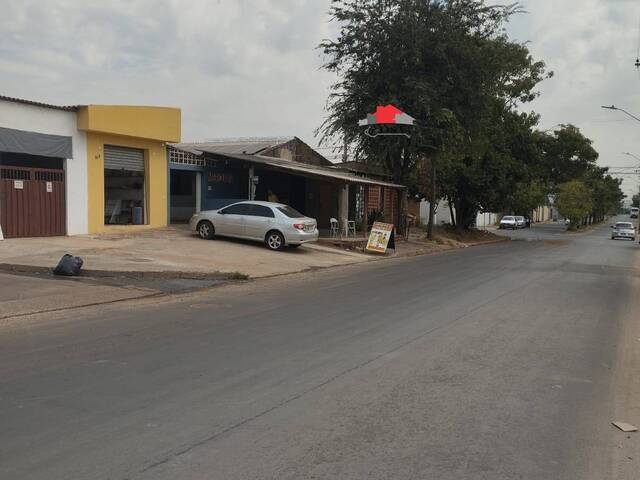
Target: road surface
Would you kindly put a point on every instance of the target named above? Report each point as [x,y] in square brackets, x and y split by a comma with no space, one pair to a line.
[498,362]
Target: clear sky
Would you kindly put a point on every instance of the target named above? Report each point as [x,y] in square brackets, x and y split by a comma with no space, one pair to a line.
[250,67]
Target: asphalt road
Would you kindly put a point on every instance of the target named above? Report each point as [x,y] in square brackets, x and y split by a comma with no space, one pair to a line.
[499,362]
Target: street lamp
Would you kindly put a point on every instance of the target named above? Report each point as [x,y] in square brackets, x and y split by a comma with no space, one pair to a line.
[613,107]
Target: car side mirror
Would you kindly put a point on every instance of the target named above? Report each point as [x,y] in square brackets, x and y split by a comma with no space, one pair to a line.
[222,212]
[612,226]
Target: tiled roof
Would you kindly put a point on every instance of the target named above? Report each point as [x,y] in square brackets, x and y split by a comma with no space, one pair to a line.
[68,108]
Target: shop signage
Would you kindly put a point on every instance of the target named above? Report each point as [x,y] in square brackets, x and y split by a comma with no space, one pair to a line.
[215,177]
[18,184]
[379,239]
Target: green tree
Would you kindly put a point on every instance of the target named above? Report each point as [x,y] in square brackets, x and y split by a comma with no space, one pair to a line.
[566,155]
[450,65]
[527,197]
[605,192]
[574,201]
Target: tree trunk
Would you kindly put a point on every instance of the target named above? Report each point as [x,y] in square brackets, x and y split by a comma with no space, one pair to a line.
[432,201]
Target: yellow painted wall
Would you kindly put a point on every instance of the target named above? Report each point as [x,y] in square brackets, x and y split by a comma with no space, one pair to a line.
[155,173]
[156,123]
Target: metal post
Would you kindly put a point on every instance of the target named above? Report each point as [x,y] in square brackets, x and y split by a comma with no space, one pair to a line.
[252,188]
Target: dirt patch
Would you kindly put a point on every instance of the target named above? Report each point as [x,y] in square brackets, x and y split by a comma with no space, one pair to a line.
[450,237]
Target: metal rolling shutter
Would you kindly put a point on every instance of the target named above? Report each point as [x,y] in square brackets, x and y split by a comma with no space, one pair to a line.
[118,158]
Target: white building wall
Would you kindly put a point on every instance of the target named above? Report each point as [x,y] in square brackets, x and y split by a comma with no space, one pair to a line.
[57,122]
[443,215]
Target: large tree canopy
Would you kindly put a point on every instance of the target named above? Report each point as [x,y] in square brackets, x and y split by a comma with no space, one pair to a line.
[451,66]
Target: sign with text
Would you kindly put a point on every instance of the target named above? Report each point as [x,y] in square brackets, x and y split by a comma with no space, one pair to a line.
[379,237]
[217,177]
[18,184]
[49,187]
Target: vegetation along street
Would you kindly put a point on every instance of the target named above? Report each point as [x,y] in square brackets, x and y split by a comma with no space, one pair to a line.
[320,239]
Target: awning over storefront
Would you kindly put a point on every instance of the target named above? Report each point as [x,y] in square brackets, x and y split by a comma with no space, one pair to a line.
[34,143]
[294,168]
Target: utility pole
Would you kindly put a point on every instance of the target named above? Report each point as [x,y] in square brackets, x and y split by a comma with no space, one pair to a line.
[345,150]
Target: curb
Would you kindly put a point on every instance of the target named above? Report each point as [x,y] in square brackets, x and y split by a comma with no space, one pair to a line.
[137,275]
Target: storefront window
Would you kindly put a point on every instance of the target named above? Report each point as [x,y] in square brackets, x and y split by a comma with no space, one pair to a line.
[124,186]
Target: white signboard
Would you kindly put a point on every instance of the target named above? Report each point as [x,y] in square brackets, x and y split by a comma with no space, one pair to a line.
[49,187]
[18,184]
[379,238]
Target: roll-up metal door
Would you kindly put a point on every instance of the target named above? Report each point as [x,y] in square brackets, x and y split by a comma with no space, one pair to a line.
[118,158]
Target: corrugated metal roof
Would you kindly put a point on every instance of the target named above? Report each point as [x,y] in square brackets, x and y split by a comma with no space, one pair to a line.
[249,146]
[68,108]
[282,164]
[361,167]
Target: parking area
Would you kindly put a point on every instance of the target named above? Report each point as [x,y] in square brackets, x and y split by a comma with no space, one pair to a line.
[174,249]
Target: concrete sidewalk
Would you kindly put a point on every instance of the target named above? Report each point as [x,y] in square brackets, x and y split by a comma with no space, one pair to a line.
[174,249]
[24,295]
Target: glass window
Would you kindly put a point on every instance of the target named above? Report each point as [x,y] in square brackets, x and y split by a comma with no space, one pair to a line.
[261,211]
[238,209]
[124,196]
[290,212]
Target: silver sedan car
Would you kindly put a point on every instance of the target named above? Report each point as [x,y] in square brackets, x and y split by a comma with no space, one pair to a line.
[275,224]
[623,230]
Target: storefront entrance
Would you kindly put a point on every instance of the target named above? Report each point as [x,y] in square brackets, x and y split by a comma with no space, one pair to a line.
[124,186]
[184,188]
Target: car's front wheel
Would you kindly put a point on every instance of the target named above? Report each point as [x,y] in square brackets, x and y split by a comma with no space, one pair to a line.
[206,230]
[274,240]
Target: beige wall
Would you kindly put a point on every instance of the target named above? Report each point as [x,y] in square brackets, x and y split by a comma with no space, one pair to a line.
[155,178]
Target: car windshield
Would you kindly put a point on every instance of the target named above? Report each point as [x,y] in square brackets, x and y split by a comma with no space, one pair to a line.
[290,212]
[624,225]
[508,219]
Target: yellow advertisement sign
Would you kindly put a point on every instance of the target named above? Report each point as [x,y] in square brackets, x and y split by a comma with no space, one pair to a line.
[379,238]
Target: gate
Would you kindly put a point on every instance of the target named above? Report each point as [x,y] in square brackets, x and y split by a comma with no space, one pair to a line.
[32,202]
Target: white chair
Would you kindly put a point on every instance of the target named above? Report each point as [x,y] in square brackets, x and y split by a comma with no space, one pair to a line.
[350,228]
[334,227]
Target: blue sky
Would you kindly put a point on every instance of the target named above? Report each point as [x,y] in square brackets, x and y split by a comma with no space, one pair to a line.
[250,67]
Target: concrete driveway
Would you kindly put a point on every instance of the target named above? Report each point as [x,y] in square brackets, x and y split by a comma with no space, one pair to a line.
[172,250]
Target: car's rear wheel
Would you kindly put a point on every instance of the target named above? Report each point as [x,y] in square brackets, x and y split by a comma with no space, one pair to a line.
[206,230]
[274,240]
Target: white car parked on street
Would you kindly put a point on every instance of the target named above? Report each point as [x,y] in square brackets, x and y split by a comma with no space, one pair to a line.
[275,224]
[508,222]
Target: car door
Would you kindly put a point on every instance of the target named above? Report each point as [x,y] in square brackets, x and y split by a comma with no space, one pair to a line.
[261,219]
[232,220]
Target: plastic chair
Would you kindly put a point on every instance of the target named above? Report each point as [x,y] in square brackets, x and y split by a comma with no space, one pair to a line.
[334,228]
[350,227]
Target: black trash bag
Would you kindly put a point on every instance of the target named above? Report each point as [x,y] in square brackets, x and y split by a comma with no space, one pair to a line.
[69,266]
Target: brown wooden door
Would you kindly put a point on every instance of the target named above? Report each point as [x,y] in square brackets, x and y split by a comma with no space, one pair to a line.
[32,202]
